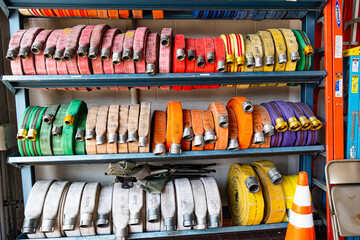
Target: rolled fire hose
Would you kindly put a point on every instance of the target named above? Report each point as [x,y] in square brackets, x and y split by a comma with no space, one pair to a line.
[299,114]
[199,194]
[190,58]
[259,136]
[39,42]
[312,137]
[209,46]
[221,122]
[257,51]
[45,130]
[133,126]
[129,66]
[32,135]
[71,210]
[140,38]
[174,128]
[71,43]
[106,54]
[168,207]
[88,213]
[276,117]
[73,112]
[136,205]
[316,123]
[198,128]
[289,115]
[14,45]
[23,143]
[153,214]
[229,51]
[60,47]
[301,138]
[270,179]
[26,41]
[104,214]
[243,111]
[213,200]
[245,198]
[185,204]
[101,129]
[188,134]
[144,126]
[119,66]
[165,50]
[209,126]
[50,46]
[178,59]
[200,56]
[249,56]
[305,50]
[34,206]
[220,54]
[233,143]
[82,51]
[57,130]
[51,206]
[159,132]
[113,128]
[95,40]
[120,211]
[292,49]
[280,50]
[152,53]
[123,129]
[268,128]
[239,46]
[90,135]
[268,49]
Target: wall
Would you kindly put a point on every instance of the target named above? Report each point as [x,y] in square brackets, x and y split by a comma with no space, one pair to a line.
[196,99]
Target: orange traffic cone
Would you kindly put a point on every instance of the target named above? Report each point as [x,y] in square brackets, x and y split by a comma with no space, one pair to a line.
[301,222]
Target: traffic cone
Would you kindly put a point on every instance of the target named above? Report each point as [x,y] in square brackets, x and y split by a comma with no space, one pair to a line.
[301,223]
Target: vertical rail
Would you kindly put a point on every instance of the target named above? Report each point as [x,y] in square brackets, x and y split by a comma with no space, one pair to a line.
[22,101]
[307,89]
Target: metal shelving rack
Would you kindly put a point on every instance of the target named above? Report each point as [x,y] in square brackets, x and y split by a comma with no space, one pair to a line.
[19,85]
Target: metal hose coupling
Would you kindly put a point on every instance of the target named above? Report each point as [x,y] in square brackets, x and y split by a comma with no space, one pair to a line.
[214,221]
[169,224]
[153,215]
[105,54]
[21,134]
[93,52]
[209,137]
[233,144]
[259,138]
[191,55]
[199,141]
[100,140]
[269,61]
[142,142]
[11,54]
[268,130]
[258,62]
[86,220]
[121,234]
[37,47]
[112,138]
[69,54]
[126,55]
[56,130]
[282,58]
[159,149]
[220,66]
[82,51]
[200,61]
[275,176]
[80,135]
[89,134]
[47,225]
[305,123]
[68,224]
[252,184]
[48,118]
[175,148]
[281,125]
[134,218]
[122,138]
[131,137]
[165,40]
[103,220]
[294,56]
[250,62]
[137,56]
[24,52]
[150,68]
[116,58]
[180,54]
[29,226]
[210,56]
[247,107]
[188,134]
[294,124]
[188,220]
[58,55]
[49,52]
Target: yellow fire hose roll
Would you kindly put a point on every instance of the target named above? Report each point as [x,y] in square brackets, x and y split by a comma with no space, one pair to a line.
[250,60]
[246,202]
[239,46]
[280,52]
[292,49]
[289,193]
[270,179]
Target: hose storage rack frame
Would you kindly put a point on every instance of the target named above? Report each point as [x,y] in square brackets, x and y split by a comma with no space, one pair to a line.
[175,9]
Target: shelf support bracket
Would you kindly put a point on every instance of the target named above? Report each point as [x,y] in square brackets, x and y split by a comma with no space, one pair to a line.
[4,8]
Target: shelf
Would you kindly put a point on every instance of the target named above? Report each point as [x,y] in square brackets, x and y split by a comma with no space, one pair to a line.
[169,5]
[165,79]
[17,160]
[151,235]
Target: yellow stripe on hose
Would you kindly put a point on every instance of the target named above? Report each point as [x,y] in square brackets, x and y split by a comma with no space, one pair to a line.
[292,49]
[273,194]
[289,193]
[246,208]
[229,52]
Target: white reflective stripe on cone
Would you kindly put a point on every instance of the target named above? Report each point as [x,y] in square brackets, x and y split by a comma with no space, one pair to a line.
[51,206]
[71,214]
[89,202]
[168,207]
[136,204]
[34,205]
[199,194]
[104,216]
[120,211]
[301,220]
[302,196]
[59,217]
[185,204]
[153,214]
[213,201]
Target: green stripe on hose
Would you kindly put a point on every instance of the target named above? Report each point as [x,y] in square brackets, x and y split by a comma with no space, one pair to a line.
[76,108]
[80,135]
[45,130]
[57,131]
[24,126]
[304,63]
[34,127]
